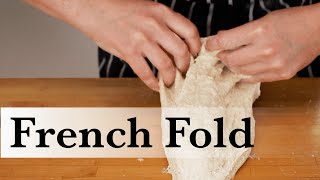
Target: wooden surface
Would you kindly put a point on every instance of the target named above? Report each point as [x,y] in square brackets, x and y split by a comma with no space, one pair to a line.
[287,144]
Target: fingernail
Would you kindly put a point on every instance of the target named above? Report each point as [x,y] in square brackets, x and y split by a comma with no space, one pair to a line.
[220,55]
[212,44]
[157,88]
[153,85]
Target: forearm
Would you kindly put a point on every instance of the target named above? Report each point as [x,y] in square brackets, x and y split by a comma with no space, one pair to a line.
[313,13]
[317,9]
[306,27]
[82,14]
[64,10]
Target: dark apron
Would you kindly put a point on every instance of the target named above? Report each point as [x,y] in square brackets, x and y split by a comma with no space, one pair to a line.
[210,16]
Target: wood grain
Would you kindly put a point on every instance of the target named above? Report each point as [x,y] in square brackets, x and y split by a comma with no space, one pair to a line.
[287,144]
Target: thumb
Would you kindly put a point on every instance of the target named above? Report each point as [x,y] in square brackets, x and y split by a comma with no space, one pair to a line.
[233,38]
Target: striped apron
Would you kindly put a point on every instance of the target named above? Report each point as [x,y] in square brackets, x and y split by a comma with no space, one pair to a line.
[210,16]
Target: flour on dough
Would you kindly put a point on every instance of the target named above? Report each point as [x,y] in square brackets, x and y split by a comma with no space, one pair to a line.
[209,88]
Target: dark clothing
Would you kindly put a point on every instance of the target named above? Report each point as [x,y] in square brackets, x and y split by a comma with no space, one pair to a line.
[210,16]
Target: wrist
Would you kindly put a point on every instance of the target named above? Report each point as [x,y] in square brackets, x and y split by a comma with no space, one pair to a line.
[62,9]
[86,15]
[311,14]
[316,14]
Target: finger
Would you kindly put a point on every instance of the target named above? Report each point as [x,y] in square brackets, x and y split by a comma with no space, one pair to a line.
[254,68]
[262,77]
[161,61]
[233,38]
[186,30]
[143,71]
[242,56]
[175,46]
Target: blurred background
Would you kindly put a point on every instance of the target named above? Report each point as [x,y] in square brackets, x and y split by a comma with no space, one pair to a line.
[33,45]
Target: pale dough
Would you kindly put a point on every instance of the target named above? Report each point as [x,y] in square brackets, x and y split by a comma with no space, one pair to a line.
[209,89]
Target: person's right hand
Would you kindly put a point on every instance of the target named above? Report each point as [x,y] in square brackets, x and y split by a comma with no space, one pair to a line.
[137,29]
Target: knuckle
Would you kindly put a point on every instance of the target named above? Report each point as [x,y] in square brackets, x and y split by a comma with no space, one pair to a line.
[161,7]
[145,77]
[139,42]
[286,75]
[139,37]
[153,23]
[165,65]
[220,39]
[227,59]
[130,54]
[183,51]
[262,29]
[269,51]
[161,10]
[278,64]
[193,32]
[128,59]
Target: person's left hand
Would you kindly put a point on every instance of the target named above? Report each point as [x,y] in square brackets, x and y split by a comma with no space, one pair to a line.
[272,48]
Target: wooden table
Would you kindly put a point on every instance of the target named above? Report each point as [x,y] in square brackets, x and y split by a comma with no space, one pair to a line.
[287,142]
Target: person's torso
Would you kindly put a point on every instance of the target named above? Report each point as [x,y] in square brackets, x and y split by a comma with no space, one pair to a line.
[211,16]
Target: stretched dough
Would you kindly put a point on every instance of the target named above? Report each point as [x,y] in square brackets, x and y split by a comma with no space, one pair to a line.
[209,88]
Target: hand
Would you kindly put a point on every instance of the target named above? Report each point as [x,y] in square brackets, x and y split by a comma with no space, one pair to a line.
[272,48]
[137,29]
[133,30]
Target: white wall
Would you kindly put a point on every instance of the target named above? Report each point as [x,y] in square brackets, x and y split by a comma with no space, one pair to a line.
[33,44]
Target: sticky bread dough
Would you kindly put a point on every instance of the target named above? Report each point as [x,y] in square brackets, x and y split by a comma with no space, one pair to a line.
[208,88]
